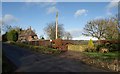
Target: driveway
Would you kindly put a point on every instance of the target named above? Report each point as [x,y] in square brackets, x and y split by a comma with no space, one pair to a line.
[28,61]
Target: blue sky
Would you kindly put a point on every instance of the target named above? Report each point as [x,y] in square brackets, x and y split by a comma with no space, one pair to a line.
[74,15]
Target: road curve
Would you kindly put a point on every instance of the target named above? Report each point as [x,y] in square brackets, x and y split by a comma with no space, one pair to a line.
[28,61]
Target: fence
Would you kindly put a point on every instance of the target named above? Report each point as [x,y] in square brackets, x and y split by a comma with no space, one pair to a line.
[40,43]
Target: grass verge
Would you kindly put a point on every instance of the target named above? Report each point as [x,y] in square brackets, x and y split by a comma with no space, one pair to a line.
[106,61]
[103,56]
[40,49]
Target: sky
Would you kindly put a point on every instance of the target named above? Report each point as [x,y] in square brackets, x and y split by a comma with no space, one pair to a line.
[73,15]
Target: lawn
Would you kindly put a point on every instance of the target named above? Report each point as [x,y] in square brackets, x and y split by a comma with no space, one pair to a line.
[103,56]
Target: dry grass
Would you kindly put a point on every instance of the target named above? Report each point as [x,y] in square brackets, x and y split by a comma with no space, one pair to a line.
[79,48]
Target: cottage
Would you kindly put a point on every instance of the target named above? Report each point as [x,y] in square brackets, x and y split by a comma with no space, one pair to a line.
[27,35]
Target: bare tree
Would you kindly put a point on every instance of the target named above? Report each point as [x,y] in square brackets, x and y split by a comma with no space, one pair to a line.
[112,30]
[68,36]
[5,27]
[50,30]
[95,28]
[102,28]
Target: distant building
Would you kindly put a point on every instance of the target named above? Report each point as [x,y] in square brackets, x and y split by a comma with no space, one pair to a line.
[27,35]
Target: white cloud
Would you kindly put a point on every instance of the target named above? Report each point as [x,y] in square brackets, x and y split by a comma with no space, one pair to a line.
[40,0]
[48,4]
[109,13]
[52,10]
[0,22]
[99,17]
[75,32]
[8,19]
[57,0]
[80,12]
[111,5]
[84,38]
[40,4]
[77,35]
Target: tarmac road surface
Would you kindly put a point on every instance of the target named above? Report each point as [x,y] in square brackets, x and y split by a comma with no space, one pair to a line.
[28,61]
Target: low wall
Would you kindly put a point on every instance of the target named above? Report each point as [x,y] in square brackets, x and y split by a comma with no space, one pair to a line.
[40,43]
[44,43]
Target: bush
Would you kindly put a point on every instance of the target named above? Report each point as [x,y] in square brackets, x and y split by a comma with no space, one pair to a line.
[90,47]
[99,46]
[12,35]
[90,44]
[111,47]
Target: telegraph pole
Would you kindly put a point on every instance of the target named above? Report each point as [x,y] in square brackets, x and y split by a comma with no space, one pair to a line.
[57,25]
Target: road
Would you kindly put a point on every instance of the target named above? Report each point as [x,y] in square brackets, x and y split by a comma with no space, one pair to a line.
[28,61]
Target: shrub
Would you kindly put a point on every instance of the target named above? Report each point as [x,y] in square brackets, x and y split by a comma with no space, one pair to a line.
[36,47]
[113,47]
[12,35]
[110,47]
[90,44]
[11,42]
[99,46]
[90,47]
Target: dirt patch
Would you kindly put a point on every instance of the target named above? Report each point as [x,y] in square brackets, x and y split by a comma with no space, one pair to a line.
[73,55]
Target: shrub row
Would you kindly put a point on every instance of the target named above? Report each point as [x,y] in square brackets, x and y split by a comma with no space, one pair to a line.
[98,47]
[111,47]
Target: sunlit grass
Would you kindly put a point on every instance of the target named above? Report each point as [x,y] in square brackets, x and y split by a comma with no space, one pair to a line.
[103,56]
[77,47]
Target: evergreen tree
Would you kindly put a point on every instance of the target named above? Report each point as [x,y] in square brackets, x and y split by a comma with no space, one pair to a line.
[90,44]
[12,35]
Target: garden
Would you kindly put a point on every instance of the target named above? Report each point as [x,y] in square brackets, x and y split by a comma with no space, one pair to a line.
[102,55]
